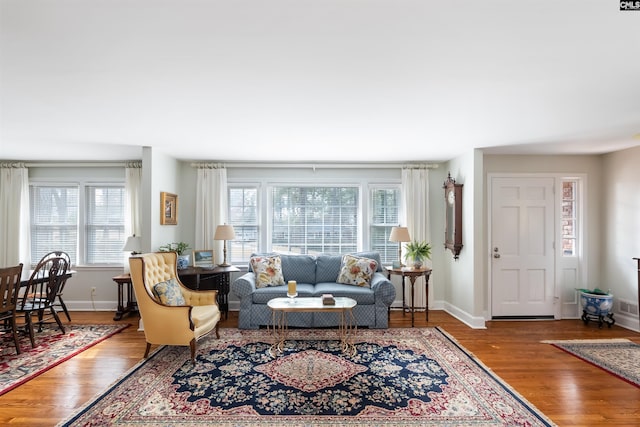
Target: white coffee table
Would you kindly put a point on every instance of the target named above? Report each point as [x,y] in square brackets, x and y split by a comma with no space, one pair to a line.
[280,307]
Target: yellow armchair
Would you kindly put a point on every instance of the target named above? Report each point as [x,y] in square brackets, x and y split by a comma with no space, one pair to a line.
[171,324]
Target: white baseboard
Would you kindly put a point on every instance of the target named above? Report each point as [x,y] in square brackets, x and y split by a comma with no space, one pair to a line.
[473,322]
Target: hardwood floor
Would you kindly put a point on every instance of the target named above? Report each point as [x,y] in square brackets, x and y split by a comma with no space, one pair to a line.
[569,391]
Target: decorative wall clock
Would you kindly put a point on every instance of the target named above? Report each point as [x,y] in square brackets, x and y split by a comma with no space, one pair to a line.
[453,216]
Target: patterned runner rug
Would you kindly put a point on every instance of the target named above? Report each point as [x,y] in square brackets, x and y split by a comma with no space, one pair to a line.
[620,357]
[398,377]
[52,348]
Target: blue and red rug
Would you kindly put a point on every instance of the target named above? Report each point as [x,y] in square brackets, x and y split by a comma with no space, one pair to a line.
[52,348]
[618,356]
[398,377]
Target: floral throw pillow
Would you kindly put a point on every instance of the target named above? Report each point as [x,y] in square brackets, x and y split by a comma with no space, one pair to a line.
[268,270]
[169,292]
[356,270]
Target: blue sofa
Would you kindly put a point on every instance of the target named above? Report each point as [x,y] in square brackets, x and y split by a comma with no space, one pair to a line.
[315,275]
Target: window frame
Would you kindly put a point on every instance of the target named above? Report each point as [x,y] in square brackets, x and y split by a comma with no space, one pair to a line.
[81,225]
[264,187]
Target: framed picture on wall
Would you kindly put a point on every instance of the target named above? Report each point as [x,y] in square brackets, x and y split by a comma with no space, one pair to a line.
[203,258]
[168,209]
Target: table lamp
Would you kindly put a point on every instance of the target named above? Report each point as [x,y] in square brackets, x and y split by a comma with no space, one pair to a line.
[224,232]
[399,234]
[133,244]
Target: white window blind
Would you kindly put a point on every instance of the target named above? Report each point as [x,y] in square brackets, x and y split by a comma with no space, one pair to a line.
[311,220]
[54,220]
[385,203]
[84,220]
[243,215]
[104,227]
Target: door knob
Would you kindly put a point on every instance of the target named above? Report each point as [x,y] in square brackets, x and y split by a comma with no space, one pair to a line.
[496,255]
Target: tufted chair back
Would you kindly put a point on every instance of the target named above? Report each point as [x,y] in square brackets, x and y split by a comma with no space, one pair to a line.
[171,324]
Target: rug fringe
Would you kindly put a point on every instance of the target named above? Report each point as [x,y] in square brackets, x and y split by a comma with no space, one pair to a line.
[587,341]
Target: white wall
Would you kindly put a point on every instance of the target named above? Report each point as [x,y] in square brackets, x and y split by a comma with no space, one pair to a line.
[463,278]
[620,231]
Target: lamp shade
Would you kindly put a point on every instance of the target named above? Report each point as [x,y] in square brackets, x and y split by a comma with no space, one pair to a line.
[132,244]
[224,232]
[399,234]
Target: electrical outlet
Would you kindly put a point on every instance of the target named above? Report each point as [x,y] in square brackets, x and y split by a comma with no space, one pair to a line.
[93,290]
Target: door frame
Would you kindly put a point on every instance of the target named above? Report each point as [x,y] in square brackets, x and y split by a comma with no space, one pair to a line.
[570,298]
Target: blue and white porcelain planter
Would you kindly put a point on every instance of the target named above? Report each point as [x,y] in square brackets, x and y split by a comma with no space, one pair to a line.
[183,262]
[597,307]
[595,304]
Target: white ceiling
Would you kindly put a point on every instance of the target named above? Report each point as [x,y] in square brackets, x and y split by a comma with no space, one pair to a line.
[316,80]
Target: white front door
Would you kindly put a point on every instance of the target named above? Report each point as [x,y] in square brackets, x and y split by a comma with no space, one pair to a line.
[522,247]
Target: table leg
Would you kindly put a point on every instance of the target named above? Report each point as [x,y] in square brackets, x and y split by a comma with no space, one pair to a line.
[120,311]
[413,294]
[404,305]
[132,306]
[278,331]
[347,330]
[426,296]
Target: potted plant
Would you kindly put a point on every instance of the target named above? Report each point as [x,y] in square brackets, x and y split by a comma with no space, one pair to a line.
[418,251]
[179,248]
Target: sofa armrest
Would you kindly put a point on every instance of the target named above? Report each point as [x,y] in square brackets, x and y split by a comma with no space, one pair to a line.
[383,288]
[244,285]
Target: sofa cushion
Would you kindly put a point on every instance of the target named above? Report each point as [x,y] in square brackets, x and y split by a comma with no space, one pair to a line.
[328,267]
[371,255]
[268,270]
[263,295]
[169,293]
[356,270]
[301,268]
[362,295]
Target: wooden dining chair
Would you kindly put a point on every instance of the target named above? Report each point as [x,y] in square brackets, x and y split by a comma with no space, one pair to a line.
[41,293]
[10,278]
[59,302]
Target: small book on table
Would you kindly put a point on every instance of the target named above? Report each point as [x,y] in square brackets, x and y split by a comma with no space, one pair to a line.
[327,299]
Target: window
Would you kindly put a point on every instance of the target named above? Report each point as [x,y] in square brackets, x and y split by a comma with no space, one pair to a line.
[385,203]
[243,215]
[86,221]
[54,220]
[310,212]
[104,224]
[569,217]
[311,220]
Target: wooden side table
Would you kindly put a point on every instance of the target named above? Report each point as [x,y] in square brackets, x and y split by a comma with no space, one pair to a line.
[217,278]
[131,307]
[412,274]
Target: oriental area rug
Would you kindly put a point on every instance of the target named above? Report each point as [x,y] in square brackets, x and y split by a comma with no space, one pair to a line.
[52,348]
[397,377]
[620,357]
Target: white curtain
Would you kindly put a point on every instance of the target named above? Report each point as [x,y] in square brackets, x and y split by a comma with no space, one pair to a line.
[415,200]
[211,207]
[15,237]
[132,188]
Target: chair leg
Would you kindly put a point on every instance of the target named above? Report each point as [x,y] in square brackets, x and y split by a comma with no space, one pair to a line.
[15,335]
[64,308]
[29,325]
[192,346]
[217,331]
[40,318]
[146,352]
[58,321]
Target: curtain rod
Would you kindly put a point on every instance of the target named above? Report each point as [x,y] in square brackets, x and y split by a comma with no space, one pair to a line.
[317,165]
[81,164]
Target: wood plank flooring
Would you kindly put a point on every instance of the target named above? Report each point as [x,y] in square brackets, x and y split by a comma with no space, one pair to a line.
[569,391]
